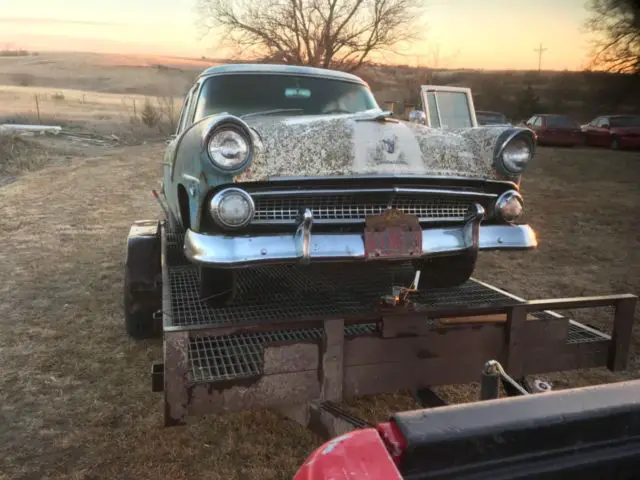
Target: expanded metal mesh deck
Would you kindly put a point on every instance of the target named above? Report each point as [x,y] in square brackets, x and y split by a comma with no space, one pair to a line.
[230,357]
[233,357]
[296,293]
[282,293]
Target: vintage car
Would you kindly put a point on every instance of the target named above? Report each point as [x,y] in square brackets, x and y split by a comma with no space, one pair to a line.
[281,164]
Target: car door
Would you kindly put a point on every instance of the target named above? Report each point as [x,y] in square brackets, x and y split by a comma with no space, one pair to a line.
[170,188]
[448,107]
[602,132]
[590,131]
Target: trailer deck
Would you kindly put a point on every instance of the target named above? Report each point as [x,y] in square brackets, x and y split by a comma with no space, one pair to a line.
[301,339]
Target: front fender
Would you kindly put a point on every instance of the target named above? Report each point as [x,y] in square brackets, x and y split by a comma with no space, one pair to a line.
[195,173]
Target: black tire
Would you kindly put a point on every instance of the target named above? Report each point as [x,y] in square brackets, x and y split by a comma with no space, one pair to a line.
[217,286]
[443,272]
[139,314]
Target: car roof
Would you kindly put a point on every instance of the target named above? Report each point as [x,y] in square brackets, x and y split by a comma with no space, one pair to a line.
[282,69]
[618,115]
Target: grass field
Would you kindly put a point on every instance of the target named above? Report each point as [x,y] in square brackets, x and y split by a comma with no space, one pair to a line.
[75,391]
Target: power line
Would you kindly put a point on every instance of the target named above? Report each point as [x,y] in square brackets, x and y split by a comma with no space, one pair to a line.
[540,51]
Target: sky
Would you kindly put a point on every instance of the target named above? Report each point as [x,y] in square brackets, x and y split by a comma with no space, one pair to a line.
[489,34]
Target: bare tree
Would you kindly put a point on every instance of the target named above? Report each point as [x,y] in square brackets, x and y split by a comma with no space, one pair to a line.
[339,34]
[616,23]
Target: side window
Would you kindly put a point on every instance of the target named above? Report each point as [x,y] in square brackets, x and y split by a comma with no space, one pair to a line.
[595,122]
[455,111]
[602,121]
[531,120]
[184,114]
[538,122]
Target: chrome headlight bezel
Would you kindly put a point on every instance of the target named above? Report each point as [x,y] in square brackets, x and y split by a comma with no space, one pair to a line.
[215,207]
[225,125]
[509,138]
[503,201]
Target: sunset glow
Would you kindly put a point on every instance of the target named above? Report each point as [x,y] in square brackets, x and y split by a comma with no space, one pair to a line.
[492,34]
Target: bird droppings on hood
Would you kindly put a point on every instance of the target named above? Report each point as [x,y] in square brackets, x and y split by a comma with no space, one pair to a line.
[341,145]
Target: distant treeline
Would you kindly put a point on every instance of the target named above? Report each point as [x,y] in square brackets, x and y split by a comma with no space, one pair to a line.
[517,94]
[16,53]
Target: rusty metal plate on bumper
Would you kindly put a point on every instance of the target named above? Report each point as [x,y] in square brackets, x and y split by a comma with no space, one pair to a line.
[393,234]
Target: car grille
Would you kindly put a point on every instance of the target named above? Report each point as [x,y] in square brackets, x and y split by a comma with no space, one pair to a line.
[353,208]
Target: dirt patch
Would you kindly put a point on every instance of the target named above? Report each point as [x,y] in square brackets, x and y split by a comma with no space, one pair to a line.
[75,392]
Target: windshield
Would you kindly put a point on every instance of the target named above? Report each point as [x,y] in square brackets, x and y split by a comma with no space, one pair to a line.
[626,121]
[241,94]
[490,118]
[559,121]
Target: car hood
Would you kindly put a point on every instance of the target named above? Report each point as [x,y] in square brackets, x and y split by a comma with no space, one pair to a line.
[354,144]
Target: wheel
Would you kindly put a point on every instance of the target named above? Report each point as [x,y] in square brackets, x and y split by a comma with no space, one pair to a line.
[614,144]
[217,286]
[139,314]
[442,272]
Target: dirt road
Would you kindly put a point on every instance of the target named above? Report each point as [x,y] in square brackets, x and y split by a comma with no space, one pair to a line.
[75,392]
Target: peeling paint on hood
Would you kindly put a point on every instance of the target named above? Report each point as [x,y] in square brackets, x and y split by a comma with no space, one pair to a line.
[347,145]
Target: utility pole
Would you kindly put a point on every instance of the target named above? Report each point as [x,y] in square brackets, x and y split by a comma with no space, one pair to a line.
[540,51]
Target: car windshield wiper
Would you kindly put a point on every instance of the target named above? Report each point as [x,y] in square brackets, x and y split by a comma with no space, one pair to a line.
[269,112]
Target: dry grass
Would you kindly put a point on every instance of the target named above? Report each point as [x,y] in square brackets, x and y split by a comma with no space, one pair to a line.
[18,155]
[101,113]
[75,392]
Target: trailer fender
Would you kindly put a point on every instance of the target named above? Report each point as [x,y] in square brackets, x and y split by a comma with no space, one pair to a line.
[143,279]
[142,261]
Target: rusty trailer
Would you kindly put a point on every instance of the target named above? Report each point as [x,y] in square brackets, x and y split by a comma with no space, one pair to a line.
[301,339]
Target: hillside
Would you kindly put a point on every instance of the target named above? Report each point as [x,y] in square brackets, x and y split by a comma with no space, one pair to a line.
[518,94]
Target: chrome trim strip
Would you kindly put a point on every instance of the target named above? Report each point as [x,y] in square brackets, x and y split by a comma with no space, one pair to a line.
[391,176]
[191,178]
[342,191]
[353,221]
[224,251]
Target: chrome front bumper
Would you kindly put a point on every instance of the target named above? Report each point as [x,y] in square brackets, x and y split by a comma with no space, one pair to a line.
[224,251]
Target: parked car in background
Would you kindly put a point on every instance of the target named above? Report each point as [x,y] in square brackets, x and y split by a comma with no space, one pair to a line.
[613,131]
[486,117]
[553,129]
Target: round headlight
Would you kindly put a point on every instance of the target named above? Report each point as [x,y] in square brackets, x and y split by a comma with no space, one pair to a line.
[228,149]
[232,208]
[515,155]
[509,206]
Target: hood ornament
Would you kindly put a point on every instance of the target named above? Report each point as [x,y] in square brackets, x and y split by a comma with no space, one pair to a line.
[389,145]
